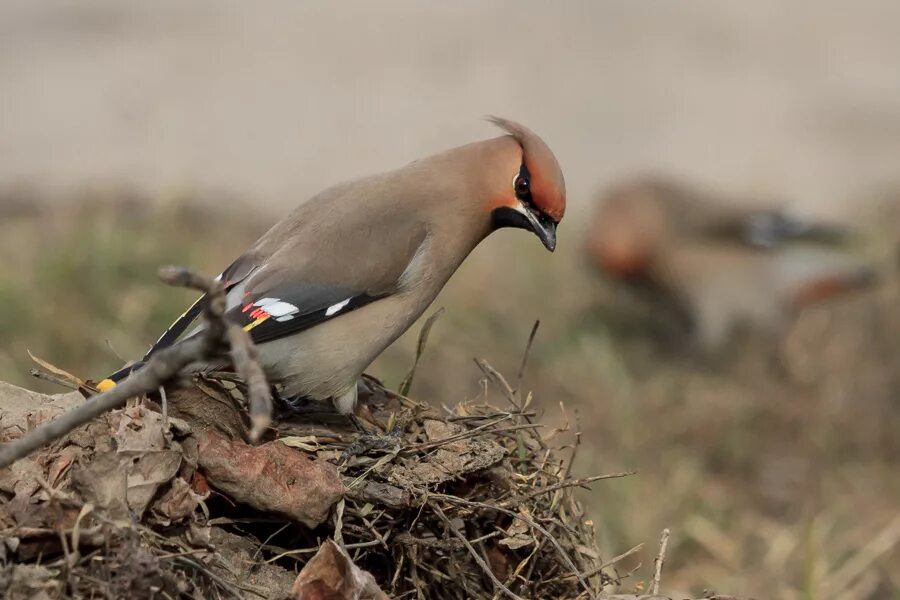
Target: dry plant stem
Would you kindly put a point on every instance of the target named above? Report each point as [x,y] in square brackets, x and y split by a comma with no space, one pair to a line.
[531,523]
[55,379]
[597,570]
[521,374]
[511,395]
[660,560]
[161,367]
[494,375]
[480,430]
[842,577]
[475,556]
[565,484]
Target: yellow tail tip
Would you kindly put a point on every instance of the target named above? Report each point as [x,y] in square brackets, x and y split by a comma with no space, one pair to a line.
[106,385]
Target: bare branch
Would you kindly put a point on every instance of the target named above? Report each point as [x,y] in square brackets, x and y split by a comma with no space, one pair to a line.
[243,355]
[475,556]
[530,523]
[162,366]
[660,560]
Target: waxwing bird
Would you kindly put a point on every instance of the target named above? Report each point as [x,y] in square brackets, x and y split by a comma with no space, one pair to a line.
[329,287]
[717,264]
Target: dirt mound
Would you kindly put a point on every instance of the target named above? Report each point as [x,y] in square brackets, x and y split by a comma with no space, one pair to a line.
[166,498]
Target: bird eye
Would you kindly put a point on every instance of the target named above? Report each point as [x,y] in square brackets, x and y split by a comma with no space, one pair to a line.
[523,187]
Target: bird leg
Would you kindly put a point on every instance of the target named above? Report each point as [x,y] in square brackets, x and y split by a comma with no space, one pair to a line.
[303,405]
[369,439]
[369,428]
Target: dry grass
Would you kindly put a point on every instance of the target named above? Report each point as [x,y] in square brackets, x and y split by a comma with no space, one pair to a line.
[776,483]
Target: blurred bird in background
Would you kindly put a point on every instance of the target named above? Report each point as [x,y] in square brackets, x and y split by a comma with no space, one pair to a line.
[715,266]
[328,288]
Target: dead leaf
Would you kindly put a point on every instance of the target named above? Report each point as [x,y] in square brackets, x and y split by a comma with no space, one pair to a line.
[331,575]
[517,541]
[102,482]
[499,562]
[124,482]
[307,443]
[22,410]
[61,464]
[519,534]
[449,461]
[140,430]
[146,474]
[271,477]
[198,535]
[76,382]
[21,477]
[177,503]
[199,484]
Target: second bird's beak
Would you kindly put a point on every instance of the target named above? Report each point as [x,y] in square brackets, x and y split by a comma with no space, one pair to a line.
[525,217]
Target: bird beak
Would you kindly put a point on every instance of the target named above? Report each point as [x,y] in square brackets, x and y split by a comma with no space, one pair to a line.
[525,217]
[543,226]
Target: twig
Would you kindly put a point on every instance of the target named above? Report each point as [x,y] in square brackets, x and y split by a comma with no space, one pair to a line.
[566,484]
[494,415]
[528,521]
[317,548]
[525,356]
[161,367]
[231,588]
[406,384]
[164,406]
[61,381]
[480,430]
[480,561]
[660,560]
[497,377]
[606,564]
[512,396]
[112,349]
[269,539]
[244,356]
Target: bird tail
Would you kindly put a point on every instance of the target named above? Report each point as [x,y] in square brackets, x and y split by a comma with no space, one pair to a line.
[827,286]
[168,338]
[813,278]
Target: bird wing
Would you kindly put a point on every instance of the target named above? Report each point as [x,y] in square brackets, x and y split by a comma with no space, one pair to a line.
[770,229]
[707,216]
[306,271]
[231,277]
[290,308]
[702,215]
[354,266]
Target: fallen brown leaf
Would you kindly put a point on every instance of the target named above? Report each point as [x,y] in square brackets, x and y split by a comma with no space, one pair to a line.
[271,477]
[331,575]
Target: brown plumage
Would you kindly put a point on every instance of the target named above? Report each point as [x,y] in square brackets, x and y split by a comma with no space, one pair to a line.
[716,263]
[330,286]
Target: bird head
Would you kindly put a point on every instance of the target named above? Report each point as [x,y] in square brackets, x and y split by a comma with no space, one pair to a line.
[535,196]
[629,230]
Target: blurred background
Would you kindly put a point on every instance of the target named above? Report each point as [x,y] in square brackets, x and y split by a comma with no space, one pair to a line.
[135,135]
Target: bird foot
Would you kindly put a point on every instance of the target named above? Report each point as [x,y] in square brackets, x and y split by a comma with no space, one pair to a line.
[370,440]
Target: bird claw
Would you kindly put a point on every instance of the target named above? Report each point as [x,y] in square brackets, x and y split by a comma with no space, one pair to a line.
[368,441]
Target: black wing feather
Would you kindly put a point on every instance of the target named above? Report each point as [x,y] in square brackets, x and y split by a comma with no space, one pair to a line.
[291,309]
